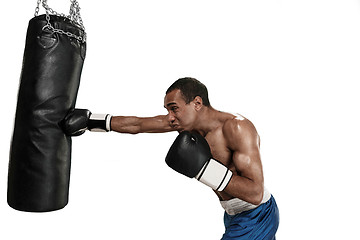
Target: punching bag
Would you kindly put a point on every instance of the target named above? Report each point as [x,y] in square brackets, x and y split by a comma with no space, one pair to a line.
[40,153]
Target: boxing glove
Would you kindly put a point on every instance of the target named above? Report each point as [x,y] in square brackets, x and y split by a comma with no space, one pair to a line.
[190,155]
[77,121]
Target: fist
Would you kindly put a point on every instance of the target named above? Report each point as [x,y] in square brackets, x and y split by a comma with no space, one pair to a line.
[76,122]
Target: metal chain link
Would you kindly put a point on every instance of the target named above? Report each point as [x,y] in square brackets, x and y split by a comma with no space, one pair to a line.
[37,8]
[74,16]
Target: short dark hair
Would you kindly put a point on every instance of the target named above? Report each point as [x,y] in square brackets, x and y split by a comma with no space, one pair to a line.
[190,88]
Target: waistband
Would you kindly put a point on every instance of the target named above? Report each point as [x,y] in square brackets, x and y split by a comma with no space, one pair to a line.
[235,206]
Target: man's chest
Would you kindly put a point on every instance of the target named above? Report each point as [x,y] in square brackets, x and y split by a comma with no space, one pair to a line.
[219,148]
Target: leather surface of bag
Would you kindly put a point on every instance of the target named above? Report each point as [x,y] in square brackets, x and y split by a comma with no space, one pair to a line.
[40,153]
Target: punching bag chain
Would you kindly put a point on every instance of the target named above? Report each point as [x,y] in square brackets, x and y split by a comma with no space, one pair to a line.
[74,16]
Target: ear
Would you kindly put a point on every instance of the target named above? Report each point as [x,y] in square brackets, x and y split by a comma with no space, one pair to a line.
[198,103]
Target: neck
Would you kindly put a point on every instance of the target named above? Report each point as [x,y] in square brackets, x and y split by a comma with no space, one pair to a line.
[208,119]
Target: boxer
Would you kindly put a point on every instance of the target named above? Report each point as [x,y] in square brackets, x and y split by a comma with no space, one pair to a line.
[219,149]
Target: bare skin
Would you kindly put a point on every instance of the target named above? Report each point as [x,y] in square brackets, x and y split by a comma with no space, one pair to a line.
[233,140]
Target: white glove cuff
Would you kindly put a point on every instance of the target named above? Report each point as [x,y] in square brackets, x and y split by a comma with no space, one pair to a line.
[215,175]
[102,118]
[108,122]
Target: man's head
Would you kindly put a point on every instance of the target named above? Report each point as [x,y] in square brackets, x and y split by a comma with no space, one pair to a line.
[184,100]
[190,88]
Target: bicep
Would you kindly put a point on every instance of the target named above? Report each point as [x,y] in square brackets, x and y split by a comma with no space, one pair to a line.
[244,143]
[248,164]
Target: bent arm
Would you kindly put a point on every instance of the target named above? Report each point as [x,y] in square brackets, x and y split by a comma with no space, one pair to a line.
[134,125]
[247,182]
[248,185]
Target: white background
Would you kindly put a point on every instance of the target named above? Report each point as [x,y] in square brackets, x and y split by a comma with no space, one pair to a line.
[289,66]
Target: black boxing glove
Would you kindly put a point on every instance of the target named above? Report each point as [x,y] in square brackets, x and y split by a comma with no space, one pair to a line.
[77,121]
[190,155]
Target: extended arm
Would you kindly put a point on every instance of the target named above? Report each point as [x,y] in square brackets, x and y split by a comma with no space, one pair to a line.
[77,121]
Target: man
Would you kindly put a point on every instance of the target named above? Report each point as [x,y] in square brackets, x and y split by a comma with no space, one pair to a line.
[250,210]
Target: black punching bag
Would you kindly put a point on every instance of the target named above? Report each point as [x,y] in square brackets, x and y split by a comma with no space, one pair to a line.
[40,153]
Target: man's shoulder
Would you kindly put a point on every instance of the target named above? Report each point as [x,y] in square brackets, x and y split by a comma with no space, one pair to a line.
[238,126]
[237,122]
[240,134]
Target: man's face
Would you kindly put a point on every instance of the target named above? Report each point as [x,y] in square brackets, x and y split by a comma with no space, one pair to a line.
[181,116]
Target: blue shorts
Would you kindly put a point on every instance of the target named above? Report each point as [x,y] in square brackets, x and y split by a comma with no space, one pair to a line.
[260,223]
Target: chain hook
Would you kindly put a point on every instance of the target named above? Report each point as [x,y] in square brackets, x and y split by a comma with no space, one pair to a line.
[74,16]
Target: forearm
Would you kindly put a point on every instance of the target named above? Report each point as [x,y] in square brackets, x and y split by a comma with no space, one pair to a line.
[245,189]
[134,125]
